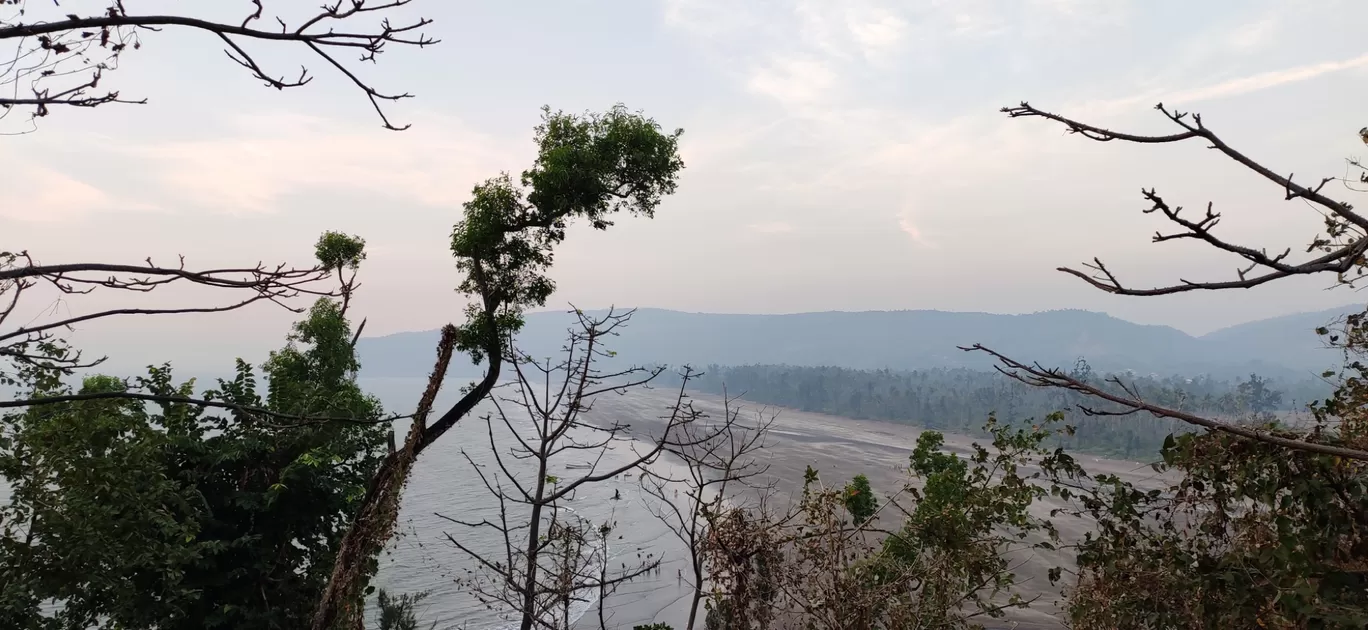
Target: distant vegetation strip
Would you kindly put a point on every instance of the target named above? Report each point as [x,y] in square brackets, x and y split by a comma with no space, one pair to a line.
[959,400]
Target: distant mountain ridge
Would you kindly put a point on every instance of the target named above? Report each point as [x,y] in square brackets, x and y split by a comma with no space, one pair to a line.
[905,340]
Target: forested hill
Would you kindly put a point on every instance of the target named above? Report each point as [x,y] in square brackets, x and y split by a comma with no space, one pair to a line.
[1284,347]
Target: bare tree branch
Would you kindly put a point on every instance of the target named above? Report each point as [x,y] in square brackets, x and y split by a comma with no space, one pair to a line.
[71,44]
[717,458]
[1036,375]
[553,559]
[1341,249]
[36,344]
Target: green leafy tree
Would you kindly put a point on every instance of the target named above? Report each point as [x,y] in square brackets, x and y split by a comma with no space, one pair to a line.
[589,167]
[165,516]
[1251,536]
[949,563]
[860,500]
[93,518]
[400,613]
[1259,399]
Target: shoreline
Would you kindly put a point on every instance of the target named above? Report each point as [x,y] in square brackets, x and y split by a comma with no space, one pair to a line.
[839,448]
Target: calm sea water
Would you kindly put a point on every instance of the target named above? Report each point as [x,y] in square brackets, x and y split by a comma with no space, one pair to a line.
[421,558]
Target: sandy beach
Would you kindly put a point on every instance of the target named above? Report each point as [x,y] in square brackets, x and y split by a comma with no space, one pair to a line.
[839,448]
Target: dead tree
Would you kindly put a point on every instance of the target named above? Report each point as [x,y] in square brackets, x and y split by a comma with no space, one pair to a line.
[544,566]
[58,58]
[721,462]
[1339,251]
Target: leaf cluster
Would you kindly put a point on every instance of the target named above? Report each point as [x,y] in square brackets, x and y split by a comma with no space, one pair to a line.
[589,167]
[137,515]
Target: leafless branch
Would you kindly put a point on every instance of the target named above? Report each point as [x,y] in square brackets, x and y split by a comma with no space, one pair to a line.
[68,45]
[718,458]
[553,558]
[36,343]
[1128,402]
[1341,249]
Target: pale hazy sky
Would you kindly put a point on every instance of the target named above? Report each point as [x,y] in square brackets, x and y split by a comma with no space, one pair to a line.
[840,155]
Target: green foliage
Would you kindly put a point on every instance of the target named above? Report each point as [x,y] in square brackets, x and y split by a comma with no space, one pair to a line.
[1260,399]
[957,400]
[860,500]
[600,164]
[969,513]
[399,613]
[945,565]
[1252,535]
[588,167]
[138,515]
[337,251]
[93,518]
[1248,535]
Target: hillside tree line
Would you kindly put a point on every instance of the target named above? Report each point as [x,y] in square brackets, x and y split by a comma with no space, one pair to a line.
[957,400]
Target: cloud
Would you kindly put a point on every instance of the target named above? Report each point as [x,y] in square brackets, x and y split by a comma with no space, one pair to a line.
[52,196]
[910,229]
[1092,12]
[1253,36]
[799,52]
[266,157]
[850,30]
[1101,108]
[709,17]
[970,23]
[721,137]
[878,33]
[772,227]
[883,104]
[1266,80]
[793,81]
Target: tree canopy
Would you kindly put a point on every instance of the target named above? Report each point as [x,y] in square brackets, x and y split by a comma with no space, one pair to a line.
[163,515]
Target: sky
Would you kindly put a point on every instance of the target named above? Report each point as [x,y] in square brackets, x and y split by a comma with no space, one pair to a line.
[839,156]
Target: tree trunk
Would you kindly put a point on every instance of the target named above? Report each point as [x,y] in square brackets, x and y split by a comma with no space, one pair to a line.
[341,605]
[533,532]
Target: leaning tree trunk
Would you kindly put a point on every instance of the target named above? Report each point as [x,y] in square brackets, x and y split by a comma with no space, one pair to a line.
[342,604]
